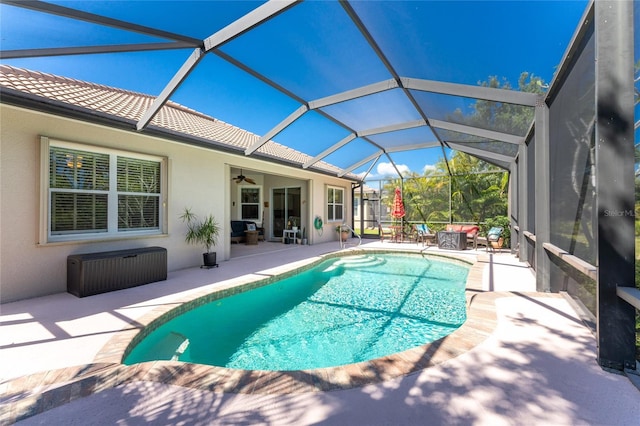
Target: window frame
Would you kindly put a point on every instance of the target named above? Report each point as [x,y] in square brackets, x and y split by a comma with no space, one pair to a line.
[113,232]
[259,203]
[332,206]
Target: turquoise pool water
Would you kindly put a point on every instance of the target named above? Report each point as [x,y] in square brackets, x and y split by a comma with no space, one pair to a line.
[345,310]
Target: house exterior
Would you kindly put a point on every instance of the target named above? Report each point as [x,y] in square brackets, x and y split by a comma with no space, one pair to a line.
[76,177]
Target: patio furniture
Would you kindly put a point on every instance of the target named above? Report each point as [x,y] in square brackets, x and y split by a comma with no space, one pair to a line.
[384,232]
[289,236]
[397,233]
[94,273]
[238,228]
[482,241]
[452,240]
[470,230]
[251,238]
[423,234]
[494,238]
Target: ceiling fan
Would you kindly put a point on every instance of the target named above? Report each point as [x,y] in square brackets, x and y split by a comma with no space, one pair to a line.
[242,177]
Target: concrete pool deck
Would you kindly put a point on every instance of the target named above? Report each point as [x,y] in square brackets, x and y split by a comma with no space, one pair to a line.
[535,365]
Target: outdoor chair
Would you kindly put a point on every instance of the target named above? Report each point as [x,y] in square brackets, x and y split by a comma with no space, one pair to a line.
[494,238]
[388,232]
[423,234]
[482,241]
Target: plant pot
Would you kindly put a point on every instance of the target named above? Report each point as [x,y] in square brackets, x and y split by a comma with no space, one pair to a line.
[304,241]
[209,260]
[344,236]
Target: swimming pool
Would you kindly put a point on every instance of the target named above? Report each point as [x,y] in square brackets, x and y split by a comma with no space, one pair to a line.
[342,311]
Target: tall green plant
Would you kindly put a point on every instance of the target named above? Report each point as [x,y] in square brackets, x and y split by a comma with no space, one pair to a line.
[478,191]
[204,232]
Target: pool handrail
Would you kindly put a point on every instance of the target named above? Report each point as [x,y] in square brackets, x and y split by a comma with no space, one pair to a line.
[343,244]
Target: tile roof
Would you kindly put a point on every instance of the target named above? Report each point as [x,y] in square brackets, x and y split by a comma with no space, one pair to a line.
[129,105]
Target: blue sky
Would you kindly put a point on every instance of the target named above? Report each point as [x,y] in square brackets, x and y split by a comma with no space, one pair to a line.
[312,49]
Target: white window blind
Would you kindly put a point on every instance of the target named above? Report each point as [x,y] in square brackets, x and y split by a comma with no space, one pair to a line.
[79,183]
[102,192]
[138,194]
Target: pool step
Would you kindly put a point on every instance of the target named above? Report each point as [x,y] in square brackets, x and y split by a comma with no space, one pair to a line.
[362,261]
[171,346]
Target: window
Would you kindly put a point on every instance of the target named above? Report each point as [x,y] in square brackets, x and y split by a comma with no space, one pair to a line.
[100,193]
[250,203]
[356,207]
[335,204]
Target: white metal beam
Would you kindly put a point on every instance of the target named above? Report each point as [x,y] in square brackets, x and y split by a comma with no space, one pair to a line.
[364,176]
[252,19]
[83,50]
[178,78]
[412,147]
[354,94]
[240,26]
[483,133]
[481,152]
[329,150]
[277,129]
[360,163]
[474,92]
[393,128]
[393,163]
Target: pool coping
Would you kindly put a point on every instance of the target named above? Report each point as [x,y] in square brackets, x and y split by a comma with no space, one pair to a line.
[36,393]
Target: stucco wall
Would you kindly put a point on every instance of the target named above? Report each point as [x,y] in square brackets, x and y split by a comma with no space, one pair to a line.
[198,178]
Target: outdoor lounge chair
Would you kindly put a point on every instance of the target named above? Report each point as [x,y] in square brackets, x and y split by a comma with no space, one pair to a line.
[423,234]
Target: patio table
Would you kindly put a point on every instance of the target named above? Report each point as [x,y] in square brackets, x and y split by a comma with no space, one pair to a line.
[452,240]
[397,233]
[251,238]
[289,235]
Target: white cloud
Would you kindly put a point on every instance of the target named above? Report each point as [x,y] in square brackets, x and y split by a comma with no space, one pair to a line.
[386,170]
[428,168]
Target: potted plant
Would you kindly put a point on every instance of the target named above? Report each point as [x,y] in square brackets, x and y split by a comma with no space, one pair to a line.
[344,232]
[204,232]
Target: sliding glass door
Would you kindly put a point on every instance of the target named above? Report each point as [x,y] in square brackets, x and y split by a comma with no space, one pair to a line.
[286,209]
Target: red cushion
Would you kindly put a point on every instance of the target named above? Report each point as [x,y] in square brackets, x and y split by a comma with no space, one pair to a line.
[471,230]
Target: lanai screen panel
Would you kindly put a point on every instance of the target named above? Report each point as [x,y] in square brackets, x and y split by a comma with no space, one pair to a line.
[407,137]
[491,146]
[489,115]
[573,212]
[531,185]
[426,200]
[530,196]
[636,60]
[312,49]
